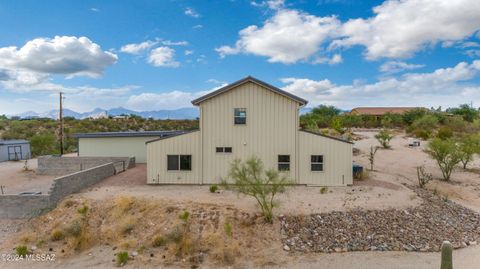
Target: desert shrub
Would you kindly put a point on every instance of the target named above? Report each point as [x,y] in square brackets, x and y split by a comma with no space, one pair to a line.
[384,137]
[126,225]
[159,241]
[468,146]
[74,228]
[83,210]
[444,132]
[456,123]
[122,258]
[21,250]
[422,134]
[371,156]
[323,190]
[422,176]
[213,188]
[337,125]
[228,228]
[410,116]
[175,235]
[250,178]
[446,153]
[427,122]
[56,235]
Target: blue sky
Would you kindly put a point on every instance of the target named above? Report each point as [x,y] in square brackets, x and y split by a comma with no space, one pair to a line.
[151,55]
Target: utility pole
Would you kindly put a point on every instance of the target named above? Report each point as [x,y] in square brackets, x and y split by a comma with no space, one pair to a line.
[61,123]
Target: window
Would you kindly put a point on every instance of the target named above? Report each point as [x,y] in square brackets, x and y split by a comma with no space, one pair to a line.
[317,162]
[223,149]
[240,115]
[179,162]
[283,162]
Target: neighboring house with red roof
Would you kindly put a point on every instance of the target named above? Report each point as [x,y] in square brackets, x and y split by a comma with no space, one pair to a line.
[380,111]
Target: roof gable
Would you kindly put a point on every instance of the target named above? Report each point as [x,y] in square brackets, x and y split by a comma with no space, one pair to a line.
[233,85]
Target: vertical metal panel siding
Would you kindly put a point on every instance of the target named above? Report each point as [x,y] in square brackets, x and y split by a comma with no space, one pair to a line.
[270,130]
[337,160]
[115,147]
[186,144]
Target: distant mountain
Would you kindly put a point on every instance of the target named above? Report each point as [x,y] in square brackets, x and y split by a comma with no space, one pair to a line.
[181,113]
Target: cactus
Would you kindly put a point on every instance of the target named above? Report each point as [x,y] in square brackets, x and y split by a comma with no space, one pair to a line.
[446,255]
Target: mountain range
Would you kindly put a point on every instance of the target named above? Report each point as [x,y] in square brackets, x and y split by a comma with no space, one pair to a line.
[175,114]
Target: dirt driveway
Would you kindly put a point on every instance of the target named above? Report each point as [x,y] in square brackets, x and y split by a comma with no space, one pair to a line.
[15,179]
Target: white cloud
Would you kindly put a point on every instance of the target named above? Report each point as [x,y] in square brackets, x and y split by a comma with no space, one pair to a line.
[191,12]
[65,55]
[189,52]
[444,86]
[137,48]
[288,37]
[335,59]
[198,26]
[401,28]
[163,56]
[391,67]
[174,43]
[94,9]
[272,4]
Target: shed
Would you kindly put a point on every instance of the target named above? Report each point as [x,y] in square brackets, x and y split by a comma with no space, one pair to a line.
[118,144]
[14,150]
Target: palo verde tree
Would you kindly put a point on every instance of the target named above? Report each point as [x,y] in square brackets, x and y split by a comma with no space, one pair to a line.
[446,153]
[468,146]
[384,137]
[250,178]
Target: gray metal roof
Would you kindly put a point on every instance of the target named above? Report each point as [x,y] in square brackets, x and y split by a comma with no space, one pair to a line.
[16,141]
[254,80]
[128,134]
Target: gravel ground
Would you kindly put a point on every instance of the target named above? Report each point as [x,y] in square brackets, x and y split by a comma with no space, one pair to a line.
[421,228]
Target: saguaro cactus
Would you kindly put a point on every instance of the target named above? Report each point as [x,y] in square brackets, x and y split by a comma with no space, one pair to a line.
[447,262]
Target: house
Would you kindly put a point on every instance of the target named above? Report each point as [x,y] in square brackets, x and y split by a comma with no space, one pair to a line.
[380,111]
[249,118]
[14,150]
[118,144]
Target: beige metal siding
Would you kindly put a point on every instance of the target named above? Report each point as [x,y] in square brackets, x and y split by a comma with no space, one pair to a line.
[115,147]
[186,144]
[272,124]
[337,158]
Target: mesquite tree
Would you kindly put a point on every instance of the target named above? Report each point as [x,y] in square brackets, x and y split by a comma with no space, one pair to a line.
[446,153]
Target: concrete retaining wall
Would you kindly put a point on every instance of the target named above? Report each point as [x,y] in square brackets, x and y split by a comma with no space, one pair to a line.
[52,165]
[21,206]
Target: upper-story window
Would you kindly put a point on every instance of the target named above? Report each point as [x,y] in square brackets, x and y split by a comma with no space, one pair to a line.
[240,116]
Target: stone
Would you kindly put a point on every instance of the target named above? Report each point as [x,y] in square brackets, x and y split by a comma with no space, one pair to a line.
[286,248]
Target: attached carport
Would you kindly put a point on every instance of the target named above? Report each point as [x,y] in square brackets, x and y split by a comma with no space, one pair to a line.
[118,144]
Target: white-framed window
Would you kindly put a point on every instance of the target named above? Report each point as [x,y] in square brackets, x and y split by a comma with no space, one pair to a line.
[240,116]
[283,162]
[317,162]
[179,162]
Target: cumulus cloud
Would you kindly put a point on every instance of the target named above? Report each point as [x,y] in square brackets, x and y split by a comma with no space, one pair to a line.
[272,4]
[288,37]
[163,57]
[401,28]
[444,86]
[191,12]
[335,59]
[65,55]
[391,67]
[137,48]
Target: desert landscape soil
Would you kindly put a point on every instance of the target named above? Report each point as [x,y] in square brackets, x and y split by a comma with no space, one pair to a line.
[253,243]
[15,179]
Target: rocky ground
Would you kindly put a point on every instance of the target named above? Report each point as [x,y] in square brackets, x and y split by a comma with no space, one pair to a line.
[422,228]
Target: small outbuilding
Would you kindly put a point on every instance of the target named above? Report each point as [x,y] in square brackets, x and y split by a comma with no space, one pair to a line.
[118,144]
[14,150]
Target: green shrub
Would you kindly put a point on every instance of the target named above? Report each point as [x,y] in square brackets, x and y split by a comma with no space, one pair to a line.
[75,228]
[176,235]
[444,132]
[384,137]
[21,250]
[422,134]
[228,228]
[213,188]
[57,234]
[446,153]
[323,190]
[83,210]
[159,241]
[122,258]
[427,122]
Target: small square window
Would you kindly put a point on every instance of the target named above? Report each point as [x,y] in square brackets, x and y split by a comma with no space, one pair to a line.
[186,162]
[172,162]
[317,162]
[283,162]
[228,150]
[219,149]
[240,116]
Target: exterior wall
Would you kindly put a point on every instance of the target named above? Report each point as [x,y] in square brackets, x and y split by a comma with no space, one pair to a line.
[25,151]
[271,129]
[185,144]
[337,158]
[115,147]
[52,165]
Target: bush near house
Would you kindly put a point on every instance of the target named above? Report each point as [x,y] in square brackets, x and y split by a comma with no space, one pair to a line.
[384,137]
[446,153]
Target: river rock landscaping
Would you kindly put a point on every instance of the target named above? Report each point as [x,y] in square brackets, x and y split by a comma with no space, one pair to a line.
[421,228]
